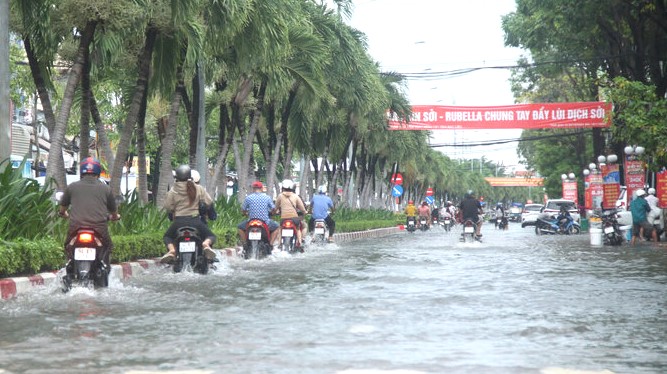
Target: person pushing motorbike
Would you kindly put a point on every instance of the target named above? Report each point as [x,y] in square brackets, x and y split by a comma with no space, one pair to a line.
[91,204]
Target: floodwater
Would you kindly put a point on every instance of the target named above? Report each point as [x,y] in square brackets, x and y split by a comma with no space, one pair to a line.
[406,303]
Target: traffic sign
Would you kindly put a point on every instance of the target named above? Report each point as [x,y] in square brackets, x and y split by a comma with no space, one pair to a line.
[397,178]
[429,191]
[396,191]
[430,199]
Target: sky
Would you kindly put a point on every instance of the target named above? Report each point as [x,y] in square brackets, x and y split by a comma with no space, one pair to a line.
[428,36]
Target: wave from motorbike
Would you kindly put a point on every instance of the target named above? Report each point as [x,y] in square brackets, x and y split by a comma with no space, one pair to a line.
[87,261]
[257,244]
[189,252]
[546,224]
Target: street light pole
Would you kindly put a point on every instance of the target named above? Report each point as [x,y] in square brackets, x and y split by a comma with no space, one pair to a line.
[5,116]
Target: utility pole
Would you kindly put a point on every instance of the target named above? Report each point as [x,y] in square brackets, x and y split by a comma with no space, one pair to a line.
[5,116]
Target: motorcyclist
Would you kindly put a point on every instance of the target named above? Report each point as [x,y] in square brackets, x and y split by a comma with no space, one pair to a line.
[425,212]
[435,214]
[563,217]
[655,215]
[500,213]
[258,205]
[183,202]
[91,204]
[410,212]
[320,205]
[470,209]
[290,206]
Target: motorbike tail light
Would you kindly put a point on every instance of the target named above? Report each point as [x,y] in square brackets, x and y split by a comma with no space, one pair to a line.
[187,238]
[287,224]
[85,237]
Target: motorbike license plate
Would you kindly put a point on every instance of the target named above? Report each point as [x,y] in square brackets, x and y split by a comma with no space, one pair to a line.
[288,233]
[84,254]
[423,222]
[186,247]
[608,230]
[319,230]
[446,222]
[255,235]
[468,229]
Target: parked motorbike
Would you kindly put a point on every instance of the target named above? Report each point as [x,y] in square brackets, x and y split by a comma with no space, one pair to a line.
[288,234]
[189,252]
[412,224]
[468,235]
[610,228]
[320,231]
[86,265]
[548,224]
[258,240]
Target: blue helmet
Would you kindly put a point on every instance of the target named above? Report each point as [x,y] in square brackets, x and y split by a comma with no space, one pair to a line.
[91,166]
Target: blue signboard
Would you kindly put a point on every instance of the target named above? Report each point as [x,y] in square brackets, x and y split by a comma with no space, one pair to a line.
[397,191]
[430,199]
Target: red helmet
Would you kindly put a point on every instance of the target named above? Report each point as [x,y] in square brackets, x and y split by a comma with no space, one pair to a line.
[424,203]
[257,184]
[410,202]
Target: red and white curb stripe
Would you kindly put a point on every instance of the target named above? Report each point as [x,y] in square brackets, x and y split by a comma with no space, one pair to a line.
[11,287]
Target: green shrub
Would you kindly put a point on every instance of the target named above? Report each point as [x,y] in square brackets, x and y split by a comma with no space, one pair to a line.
[30,256]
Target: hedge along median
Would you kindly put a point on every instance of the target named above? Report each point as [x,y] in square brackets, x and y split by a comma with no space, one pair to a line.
[23,257]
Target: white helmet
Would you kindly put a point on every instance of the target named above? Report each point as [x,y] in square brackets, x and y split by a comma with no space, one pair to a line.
[321,189]
[194,174]
[288,184]
[651,191]
[640,192]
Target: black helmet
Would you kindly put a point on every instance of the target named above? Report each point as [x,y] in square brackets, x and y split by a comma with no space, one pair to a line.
[183,173]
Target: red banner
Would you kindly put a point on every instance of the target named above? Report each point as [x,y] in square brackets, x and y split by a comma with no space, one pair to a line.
[611,185]
[661,188]
[634,175]
[570,191]
[588,199]
[520,116]
[596,191]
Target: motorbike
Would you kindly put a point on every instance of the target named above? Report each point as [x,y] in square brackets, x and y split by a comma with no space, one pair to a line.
[548,224]
[446,223]
[189,252]
[412,224]
[435,221]
[610,228]
[320,231]
[288,234]
[258,240]
[423,224]
[468,234]
[86,265]
[503,223]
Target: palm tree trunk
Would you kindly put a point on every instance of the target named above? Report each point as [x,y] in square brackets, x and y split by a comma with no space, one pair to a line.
[142,181]
[56,165]
[84,134]
[249,138]
[226,137]
[102,139]
[40,84]
[168,144]
[144,63]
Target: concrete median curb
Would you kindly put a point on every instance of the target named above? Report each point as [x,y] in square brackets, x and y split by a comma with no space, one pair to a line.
[14,286]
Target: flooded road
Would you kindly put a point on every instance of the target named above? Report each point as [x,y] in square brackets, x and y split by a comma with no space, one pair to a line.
[406,303]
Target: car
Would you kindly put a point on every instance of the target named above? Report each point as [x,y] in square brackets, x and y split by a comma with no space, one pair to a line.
[553,206]
[530,213]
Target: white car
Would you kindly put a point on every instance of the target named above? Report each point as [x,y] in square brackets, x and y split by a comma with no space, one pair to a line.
[529,214]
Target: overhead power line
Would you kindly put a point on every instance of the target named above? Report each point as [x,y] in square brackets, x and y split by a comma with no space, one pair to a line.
[503,141]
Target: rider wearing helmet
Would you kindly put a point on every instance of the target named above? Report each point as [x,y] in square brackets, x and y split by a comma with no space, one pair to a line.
[91,204]
[206,212]
[183,202]
[500,213]
[410,211]
[258,205]
[470,210]
[320,205]
[425,212]
[640,224]
[651,199]
[290,206]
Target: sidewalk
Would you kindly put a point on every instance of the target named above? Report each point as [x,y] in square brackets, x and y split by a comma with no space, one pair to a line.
[14,286]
